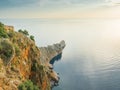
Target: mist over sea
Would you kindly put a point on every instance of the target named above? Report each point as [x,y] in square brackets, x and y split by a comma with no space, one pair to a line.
[91,58]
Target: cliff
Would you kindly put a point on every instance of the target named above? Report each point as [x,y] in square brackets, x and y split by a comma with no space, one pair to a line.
[21,61]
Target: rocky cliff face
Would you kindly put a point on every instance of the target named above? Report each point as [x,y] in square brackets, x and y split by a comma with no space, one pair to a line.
[21,60]
[47,55]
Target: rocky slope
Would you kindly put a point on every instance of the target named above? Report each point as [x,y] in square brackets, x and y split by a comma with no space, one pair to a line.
[22,60]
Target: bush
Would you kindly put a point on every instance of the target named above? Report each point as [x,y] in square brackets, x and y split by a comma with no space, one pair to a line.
[28,85]
[3,33]
[32,37]
[1,26]
[20,30]
[25,32]
[6,50]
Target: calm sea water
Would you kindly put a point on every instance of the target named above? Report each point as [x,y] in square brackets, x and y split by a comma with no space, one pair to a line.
[91,59]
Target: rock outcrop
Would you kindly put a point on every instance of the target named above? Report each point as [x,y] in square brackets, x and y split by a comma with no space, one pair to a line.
[22,60]
[47,55]
[49,52]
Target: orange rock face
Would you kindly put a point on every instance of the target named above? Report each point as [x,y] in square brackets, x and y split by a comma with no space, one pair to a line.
[8,28]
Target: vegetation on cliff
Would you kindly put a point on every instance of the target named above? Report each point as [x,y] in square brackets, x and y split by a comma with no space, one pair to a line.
[2,31]
[28,85]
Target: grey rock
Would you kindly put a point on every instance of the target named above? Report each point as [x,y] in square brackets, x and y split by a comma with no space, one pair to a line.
[47,53]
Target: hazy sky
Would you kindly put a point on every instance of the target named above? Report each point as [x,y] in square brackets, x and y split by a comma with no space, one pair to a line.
[60,9]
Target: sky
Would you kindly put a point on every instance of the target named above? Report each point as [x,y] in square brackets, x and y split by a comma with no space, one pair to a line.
[60,9]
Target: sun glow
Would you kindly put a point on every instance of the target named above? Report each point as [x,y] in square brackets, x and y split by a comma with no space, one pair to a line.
[112,30]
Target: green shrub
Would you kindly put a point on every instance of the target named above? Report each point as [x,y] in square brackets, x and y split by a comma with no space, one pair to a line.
[32,37]
[25,32]
[6,51]
[1,26]
[6,48]
[20,30]
[28,85]
[3,33]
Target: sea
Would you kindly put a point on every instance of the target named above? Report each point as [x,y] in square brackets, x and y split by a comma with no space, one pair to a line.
[91,58]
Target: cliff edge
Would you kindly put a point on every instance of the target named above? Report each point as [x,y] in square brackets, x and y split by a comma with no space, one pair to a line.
[23,65]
